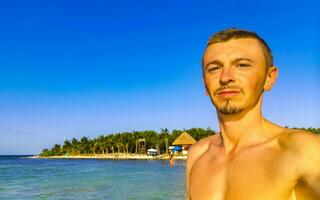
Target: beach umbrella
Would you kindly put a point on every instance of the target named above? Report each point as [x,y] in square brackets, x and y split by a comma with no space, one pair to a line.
[176,148]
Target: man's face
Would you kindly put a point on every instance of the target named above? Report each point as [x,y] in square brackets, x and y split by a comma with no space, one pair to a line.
[234,74]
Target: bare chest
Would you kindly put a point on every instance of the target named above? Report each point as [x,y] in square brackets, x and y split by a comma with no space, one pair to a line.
[258,174]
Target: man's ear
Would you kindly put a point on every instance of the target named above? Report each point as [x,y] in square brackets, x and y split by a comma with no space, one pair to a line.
[206,93]
[272,75]
[205,87]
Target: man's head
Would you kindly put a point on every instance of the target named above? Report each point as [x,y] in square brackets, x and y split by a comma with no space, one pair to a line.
[237,68]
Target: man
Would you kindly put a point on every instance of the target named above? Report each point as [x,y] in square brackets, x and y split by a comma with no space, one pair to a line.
[251,158]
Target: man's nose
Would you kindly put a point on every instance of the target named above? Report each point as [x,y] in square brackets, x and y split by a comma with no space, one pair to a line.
[227,76]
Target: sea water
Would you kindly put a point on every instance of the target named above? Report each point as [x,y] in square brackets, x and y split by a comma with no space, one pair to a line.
[29,178]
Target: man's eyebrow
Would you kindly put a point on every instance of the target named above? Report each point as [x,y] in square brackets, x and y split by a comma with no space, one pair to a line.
[241,59]
[214,62]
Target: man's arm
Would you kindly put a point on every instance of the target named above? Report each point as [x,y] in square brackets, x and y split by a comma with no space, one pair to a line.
[195,151]
[311,174]
[189,163]
[307,148]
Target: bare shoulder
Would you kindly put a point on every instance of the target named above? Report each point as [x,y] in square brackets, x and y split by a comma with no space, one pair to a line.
[300,141]
[304,148]
[197,149]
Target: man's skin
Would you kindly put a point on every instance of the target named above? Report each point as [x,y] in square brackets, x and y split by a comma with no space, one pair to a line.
[251,158]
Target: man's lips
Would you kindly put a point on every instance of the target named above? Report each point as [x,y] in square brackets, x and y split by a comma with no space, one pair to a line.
[228,93]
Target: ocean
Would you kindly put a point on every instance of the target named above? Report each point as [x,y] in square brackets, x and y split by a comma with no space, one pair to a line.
[29,178]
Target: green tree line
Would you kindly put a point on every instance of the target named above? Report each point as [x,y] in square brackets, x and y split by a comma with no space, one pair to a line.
[313,130]
[125,142]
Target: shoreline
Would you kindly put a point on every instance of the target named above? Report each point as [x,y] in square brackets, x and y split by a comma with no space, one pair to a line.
[120,156]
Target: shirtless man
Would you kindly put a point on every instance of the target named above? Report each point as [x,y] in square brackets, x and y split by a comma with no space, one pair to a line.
[251,158]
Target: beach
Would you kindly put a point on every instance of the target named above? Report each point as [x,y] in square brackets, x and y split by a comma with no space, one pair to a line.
[116,156]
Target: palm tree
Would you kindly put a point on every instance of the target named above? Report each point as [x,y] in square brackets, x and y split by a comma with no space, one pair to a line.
[66,148]
[101,144]
[75,149]
[165,134]
[84,145]
[57,150]
[107,144]
[111,142]
[119,141]
[136,137]
[94,145]
[126,141]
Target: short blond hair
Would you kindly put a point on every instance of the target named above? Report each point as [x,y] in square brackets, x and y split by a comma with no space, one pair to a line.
[233,33]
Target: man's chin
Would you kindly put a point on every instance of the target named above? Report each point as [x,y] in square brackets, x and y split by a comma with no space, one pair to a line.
[230,110]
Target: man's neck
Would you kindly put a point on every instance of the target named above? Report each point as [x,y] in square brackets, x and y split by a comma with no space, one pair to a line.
[244,129]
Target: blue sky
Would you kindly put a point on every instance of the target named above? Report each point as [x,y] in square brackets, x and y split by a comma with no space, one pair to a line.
[84,68]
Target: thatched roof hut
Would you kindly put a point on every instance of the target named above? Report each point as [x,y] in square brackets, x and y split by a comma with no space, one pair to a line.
[184,139]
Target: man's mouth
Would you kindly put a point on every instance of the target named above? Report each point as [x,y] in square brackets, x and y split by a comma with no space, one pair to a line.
[228,93]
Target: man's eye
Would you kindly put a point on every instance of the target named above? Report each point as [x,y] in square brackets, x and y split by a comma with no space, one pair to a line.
[211,69]
[243,65]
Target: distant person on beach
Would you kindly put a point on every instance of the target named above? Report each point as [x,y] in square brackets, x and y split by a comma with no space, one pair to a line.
[251,158]
[171,160]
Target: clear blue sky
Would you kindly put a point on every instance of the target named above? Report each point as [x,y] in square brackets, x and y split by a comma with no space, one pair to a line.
[83,68]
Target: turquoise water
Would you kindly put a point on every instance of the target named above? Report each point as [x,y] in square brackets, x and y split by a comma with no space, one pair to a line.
[26,178]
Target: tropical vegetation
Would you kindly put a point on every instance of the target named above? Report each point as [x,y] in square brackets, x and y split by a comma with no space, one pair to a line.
[125,142]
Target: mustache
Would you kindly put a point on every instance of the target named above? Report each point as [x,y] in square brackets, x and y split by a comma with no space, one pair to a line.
[228,87]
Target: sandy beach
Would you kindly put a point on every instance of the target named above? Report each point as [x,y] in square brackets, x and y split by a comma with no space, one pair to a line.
[120,156]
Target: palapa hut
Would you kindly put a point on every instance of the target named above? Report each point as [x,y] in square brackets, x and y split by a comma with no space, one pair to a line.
[185,141]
